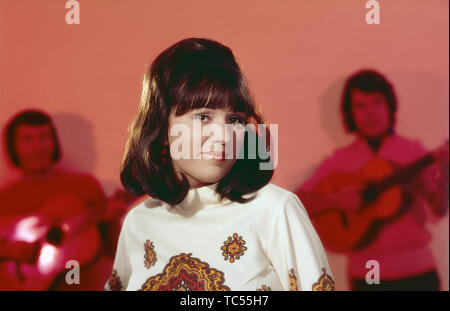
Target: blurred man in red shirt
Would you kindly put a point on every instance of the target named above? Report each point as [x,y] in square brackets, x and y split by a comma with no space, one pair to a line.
[49,216]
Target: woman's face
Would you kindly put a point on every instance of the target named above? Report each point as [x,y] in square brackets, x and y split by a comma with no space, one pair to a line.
[204,143]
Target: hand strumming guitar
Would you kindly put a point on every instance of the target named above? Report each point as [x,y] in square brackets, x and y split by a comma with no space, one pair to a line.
[434,183]
[348,200]
[20,251]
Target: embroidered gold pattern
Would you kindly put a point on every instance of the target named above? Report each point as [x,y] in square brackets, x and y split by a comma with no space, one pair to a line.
[233,248]
[150,255]
[264,288]
[292,281]
[114,283]
[185,273]
[325,282]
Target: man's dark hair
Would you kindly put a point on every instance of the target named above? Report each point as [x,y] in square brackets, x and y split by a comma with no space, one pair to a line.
[31,117]
[368,81]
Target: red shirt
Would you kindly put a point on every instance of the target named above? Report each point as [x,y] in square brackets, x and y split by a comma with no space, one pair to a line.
[25,197]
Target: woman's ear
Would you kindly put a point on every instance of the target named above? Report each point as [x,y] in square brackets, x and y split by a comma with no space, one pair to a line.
[165,142]
[165,151]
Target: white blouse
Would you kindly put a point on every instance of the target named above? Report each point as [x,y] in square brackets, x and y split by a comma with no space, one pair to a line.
[268,243]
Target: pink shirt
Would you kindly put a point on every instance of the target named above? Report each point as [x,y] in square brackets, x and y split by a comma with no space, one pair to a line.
[401,248]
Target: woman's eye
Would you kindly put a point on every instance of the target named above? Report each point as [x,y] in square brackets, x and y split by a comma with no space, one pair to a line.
[236,120]
[201,117]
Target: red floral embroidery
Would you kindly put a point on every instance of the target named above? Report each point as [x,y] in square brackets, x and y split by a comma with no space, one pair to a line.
[185,273]
[233,248]
[150,255]
[292,281]
[114,283]
[325,282]
[264,288]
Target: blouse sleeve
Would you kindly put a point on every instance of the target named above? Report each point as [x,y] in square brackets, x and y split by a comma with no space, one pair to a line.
[121,270]
[296,251]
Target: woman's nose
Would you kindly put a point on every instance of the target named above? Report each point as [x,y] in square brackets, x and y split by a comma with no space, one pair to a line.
[220,132]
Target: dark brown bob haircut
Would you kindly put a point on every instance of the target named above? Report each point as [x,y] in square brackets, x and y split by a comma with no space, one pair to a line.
[193,73]
[31,117]
[368,81]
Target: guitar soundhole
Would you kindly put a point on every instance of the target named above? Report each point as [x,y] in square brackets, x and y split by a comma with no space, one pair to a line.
[370,193]
[55,235]
[344,219]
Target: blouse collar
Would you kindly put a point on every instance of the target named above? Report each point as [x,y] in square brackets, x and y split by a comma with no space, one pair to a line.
[201,198]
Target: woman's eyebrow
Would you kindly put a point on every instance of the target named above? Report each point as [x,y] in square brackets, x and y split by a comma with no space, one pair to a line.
[212,111]
[203,109]
[234,113]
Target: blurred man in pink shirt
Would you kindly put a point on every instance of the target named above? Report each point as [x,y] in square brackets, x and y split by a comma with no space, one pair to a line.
[401,245]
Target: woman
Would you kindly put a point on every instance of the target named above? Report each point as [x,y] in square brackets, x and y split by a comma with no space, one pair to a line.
[213,222]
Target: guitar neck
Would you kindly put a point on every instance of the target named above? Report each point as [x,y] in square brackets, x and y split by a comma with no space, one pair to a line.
[405,174]
[80,222]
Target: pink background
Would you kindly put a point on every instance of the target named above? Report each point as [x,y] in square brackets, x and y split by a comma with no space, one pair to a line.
[296,55]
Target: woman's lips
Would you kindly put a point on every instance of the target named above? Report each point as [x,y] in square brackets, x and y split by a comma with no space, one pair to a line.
[214,155]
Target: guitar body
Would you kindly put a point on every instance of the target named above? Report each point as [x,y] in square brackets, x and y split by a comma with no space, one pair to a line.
[341,231]
[82,246]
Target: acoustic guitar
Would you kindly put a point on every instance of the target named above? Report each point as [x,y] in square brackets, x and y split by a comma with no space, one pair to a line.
[381,197]
[66,229]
